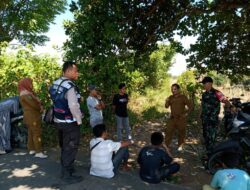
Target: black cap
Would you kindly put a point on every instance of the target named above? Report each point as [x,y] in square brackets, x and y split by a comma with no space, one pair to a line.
[91,87]
[207,79]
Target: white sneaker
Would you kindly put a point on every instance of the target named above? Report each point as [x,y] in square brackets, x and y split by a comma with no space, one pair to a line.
[40,155]
[2,152]
[31,152]
[180,149]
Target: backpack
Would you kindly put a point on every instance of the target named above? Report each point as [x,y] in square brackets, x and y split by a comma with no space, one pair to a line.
[49,114]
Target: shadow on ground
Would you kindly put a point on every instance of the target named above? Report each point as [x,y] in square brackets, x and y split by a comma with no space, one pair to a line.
[18,170]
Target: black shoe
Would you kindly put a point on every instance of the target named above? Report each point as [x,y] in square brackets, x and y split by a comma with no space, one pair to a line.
[72,179]
[67,172]
[72,170]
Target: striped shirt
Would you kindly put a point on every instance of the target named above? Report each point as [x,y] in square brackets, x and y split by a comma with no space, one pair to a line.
[101,157]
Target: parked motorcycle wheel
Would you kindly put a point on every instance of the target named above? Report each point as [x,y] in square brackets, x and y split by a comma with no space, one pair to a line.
[215,162]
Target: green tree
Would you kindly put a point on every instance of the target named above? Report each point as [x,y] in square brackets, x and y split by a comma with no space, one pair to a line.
[189,84]
[99,41]
[28,20]
[133,28]
[23,62]
[219,79]
[159,64]
[223,43]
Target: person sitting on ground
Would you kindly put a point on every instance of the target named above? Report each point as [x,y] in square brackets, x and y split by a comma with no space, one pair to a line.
[32,110]
[156,163]
[229,178]
[103,162]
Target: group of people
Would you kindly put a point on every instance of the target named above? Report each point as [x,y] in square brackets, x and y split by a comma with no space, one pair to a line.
[229,178]
[106,155]
[210,109]
[95,106]
[156,162]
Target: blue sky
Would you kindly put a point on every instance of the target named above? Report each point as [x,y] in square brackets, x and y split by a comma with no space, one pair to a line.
[56,34]
[57,37]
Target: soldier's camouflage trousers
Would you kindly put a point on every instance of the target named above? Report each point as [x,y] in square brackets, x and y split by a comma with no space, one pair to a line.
[209,134]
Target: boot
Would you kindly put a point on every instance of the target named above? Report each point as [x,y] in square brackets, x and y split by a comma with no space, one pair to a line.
[69,178]
[70,170]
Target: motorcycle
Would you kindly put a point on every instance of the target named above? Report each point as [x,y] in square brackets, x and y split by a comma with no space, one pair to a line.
[235,114]
[237,127]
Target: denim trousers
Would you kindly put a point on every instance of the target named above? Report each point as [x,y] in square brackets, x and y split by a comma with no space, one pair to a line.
[122,123]
[121,156]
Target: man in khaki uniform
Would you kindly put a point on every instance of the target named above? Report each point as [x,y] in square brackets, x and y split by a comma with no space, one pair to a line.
[177,103]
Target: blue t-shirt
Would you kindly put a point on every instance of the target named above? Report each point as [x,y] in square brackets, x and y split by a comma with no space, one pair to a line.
[231,179]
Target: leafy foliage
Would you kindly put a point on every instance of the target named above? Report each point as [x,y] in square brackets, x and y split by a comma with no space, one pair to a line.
[223,31]
[219,79]
[99,41]
[27,20]
[132,29]
[159,64]
[21,63]
[189,84]
[150,104]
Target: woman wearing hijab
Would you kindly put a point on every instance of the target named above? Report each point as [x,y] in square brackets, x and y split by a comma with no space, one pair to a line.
[32,109]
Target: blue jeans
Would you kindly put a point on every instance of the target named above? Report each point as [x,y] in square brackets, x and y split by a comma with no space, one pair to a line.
[121,156]
[122,123]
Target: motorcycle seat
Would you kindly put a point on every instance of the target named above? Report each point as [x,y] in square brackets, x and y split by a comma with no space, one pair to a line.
[245,116]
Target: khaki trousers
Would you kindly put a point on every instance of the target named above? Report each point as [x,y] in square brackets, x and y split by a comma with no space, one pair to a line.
[34,136]
[173,125]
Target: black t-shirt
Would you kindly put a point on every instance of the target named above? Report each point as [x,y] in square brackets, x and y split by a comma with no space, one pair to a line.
[120,102]
[151,159]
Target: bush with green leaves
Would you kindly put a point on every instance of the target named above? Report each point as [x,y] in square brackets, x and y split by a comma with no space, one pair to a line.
[42,69]
[189,84]
[23,62]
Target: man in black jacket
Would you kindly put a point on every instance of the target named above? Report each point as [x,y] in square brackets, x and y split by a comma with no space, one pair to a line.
[155,161]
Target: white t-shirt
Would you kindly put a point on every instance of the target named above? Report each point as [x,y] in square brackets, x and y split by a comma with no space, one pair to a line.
[101,157]
[96,116]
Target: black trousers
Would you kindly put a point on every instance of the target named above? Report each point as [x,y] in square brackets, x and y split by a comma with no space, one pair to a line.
[163,173]
[69,137]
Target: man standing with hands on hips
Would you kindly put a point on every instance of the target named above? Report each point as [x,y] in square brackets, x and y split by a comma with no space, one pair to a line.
[67,119]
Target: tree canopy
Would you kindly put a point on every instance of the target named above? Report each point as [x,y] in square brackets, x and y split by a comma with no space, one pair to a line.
[125,27]
[27,20]
[97,42]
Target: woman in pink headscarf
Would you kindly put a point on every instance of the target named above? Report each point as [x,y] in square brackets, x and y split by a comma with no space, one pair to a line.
[32,109]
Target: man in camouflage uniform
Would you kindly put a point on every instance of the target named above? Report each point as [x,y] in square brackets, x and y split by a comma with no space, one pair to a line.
[210,104]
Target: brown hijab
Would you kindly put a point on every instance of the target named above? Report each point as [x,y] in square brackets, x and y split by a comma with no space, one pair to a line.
[25,85]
